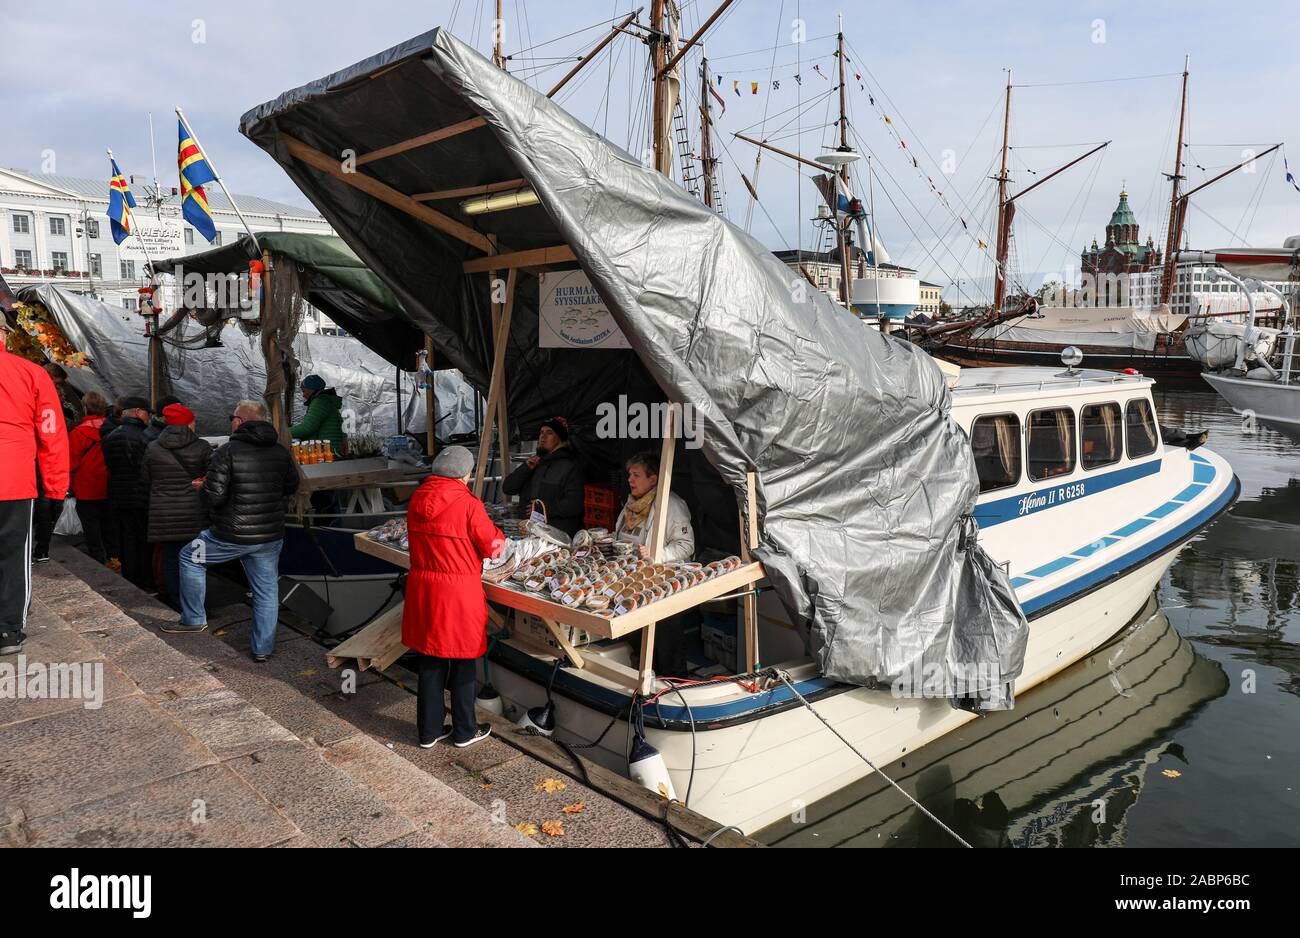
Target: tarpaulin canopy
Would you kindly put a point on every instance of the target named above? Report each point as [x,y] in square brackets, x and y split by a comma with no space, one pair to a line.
[335,281]
[211,380]
[864,481]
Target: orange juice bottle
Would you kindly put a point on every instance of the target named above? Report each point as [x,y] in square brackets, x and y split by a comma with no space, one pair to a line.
[311,452]
[296,450]
[329,451]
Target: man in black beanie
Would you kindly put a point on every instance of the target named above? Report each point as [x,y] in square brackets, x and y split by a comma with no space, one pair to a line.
[554,476]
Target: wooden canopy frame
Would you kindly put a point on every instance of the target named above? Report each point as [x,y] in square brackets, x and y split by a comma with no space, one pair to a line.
[375,645]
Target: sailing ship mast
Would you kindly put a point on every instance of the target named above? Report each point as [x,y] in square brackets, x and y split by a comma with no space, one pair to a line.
[1177,207]
[1178,203]
[1004,223]
[706,141]
[661,68]
[498,28]
[846,267]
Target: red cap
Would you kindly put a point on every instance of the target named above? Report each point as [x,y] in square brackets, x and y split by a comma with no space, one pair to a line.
[177,415]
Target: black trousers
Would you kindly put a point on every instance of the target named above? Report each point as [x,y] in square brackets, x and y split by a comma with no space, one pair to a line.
[112,529]
[437,674]
[137,554]
[94,520]
[15,568]
[45,515]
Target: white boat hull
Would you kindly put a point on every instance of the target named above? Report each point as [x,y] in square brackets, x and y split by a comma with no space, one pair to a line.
[755,773]
[1276,404]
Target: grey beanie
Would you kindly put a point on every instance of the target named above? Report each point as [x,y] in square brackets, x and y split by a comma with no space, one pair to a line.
[454,462]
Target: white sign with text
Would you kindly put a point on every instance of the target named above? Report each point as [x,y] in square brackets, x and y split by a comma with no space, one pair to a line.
[573,315]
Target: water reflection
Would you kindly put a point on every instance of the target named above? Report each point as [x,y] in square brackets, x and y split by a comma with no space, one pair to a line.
[1063,769]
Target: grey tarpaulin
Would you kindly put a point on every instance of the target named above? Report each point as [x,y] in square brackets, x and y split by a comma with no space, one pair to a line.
[864,481]
[210,380]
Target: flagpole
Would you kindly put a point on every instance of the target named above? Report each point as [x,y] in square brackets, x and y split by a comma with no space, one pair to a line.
[126,207]
[155,352]
[229,198]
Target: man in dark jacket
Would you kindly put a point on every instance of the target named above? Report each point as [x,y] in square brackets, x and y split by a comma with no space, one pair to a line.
[174,467]
[128,495]
[554,476]
[159,423]
[247,483]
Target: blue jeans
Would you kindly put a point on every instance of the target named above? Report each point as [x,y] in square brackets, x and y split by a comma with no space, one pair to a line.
[261,564]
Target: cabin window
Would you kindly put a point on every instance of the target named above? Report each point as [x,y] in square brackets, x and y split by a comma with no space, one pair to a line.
[1100,443]
[1051,443]
[1140,428]
[996,442]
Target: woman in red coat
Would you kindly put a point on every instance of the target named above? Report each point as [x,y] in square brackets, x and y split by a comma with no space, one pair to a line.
[89,474]
[445,619]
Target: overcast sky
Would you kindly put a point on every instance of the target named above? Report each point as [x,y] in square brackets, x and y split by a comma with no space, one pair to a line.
[83,75]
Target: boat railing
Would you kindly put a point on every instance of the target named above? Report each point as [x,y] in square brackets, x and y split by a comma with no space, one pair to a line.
[1062,380]
[1287,341]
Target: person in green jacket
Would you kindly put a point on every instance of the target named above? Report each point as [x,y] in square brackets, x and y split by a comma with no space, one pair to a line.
[324,417]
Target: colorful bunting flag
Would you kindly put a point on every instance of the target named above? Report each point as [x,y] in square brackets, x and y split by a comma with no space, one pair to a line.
[1289,177]
[735,86]
[753,87]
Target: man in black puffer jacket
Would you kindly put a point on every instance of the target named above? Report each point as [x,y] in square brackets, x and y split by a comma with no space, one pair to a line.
[247,483]
[128,495]
[174,467]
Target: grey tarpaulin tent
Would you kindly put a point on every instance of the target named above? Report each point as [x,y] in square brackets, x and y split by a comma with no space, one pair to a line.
[335,281]
[864,481]
[210,380]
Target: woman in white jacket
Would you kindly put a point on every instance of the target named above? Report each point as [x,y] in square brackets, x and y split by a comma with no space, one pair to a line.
[635,523]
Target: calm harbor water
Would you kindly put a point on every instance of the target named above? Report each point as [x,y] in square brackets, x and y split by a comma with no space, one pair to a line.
[1184,730]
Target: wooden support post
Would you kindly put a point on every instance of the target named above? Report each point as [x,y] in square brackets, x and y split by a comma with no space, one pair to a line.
[496,387]
[748,541]
[272,355]
[503,424]
[430,401]
[663,491]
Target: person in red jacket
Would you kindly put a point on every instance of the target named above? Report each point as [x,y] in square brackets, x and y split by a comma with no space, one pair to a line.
[89,473]
[32,432]
[445,618]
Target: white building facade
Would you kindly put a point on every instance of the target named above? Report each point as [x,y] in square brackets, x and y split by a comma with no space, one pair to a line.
[53,229]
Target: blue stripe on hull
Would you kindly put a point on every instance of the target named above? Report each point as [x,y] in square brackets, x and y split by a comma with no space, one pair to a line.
[1027,503]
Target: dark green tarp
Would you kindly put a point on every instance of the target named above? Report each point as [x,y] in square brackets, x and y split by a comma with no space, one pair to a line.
[335,281]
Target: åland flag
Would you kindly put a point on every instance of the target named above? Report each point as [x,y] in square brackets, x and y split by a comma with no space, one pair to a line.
[119,200]
[195,174]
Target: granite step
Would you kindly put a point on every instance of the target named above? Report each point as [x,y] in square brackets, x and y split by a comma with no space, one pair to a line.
[295,690]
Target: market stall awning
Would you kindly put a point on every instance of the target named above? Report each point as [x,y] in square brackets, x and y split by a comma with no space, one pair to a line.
[335,280]
[864,480]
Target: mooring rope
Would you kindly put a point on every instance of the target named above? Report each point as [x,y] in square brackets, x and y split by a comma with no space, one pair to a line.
[920,807]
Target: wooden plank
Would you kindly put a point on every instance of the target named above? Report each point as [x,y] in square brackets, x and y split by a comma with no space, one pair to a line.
[663,491]
[559,254]
[663,488]
[375,643]
[467,190]
[748,541]
[612,671]
[430,402]
[433,136]
[496,387]
[503,423]
[616,627]
[563,641]
[387,194]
